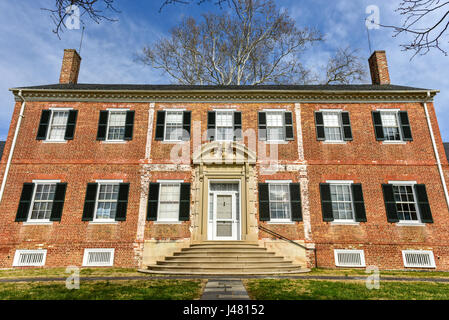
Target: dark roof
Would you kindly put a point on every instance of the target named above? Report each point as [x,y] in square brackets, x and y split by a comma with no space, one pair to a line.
[169,87]
[446,148]
[2,146]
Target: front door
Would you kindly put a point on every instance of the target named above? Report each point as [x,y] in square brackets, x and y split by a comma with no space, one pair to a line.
[224,220]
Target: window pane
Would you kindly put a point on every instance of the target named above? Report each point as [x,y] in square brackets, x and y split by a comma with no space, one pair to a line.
[173,126]
[279,201]
[107,201]
[169,202]
[390,126]
[117,121]
[58,125]
[341,202]
[43,201]
[332,128]
[405,203]
[275,119]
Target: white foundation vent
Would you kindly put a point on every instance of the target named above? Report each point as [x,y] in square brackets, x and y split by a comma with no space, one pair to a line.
[29,258]
[98,257]
[349,258]
[418,259]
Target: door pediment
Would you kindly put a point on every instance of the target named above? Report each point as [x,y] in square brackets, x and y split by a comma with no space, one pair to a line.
[224,152]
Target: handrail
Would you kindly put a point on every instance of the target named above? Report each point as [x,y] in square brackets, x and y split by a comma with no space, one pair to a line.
[279,236]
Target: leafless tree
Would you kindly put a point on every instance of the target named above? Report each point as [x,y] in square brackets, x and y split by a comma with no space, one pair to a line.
[427,21]
[254,44]
[345,67]
[95,10]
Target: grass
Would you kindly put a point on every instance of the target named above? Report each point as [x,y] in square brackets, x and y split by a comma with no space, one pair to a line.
[104,290]
[285,289]
[60,272]
[383,273]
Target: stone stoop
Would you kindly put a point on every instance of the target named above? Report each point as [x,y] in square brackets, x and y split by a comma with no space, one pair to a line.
[224,258]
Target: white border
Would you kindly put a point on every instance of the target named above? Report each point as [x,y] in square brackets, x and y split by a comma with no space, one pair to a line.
[429,252]
[86,254]
[362,257]
[19,252]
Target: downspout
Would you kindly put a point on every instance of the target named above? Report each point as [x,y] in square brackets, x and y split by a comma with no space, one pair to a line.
[435,150]
[11,152]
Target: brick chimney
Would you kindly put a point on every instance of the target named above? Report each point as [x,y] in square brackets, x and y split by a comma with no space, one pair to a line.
[379,68]
[70,67]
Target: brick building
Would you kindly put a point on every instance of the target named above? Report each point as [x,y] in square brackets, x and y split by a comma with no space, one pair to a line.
[188,178]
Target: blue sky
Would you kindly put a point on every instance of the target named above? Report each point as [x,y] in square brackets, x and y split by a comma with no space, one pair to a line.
[30,54]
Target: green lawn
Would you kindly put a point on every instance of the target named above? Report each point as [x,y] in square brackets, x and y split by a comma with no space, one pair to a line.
[104,290]
[386,273]
[60,272]
[285,289]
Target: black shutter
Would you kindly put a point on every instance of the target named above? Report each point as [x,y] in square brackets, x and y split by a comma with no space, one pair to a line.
[43,125]
[326,202]
[25,202]
[160,126]
[423,203]
[295,201]
[359,204]
[264,202]
[102,125]
[346,122]
[405,126]
[89,202]
[390,203]
[186,122]
[153,201]
[262,123]
[122,203]
[184,203]
[237,126]
[71,124]
[129,125]
[211,126]
[319,124]
[378,128]
[288,118]
[58,202]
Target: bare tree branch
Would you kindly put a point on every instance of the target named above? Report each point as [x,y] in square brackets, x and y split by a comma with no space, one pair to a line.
[255,44]
[94,9]
[427,21]
[345,68]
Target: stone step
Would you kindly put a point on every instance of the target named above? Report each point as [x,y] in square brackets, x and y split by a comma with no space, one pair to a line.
[220,269]
[227,242]
[223,253]
[224,248]
[224,259]
[224,264]
[236,274]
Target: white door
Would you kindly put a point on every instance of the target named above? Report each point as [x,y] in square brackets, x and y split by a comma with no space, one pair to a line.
[224,223]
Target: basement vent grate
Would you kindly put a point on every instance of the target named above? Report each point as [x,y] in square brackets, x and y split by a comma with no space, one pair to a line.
[29,258]
[418,259]
[98,257]
[349,258]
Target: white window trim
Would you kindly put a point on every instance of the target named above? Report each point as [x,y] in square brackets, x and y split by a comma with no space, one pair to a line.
[18,252]
[352,221]
[401,141]
[409,223]
[431,255]
[30,221]
[362,258]
[167,221]
[340,122]
[165,125]
[283,120]
[110,111]
[86,255]
[280,221]
[216,126]
[47,140]
[103,221]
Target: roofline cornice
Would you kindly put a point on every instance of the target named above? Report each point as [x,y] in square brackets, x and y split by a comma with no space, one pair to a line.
[129,96]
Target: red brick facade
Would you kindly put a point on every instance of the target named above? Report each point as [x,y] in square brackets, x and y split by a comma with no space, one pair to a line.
[362,160]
